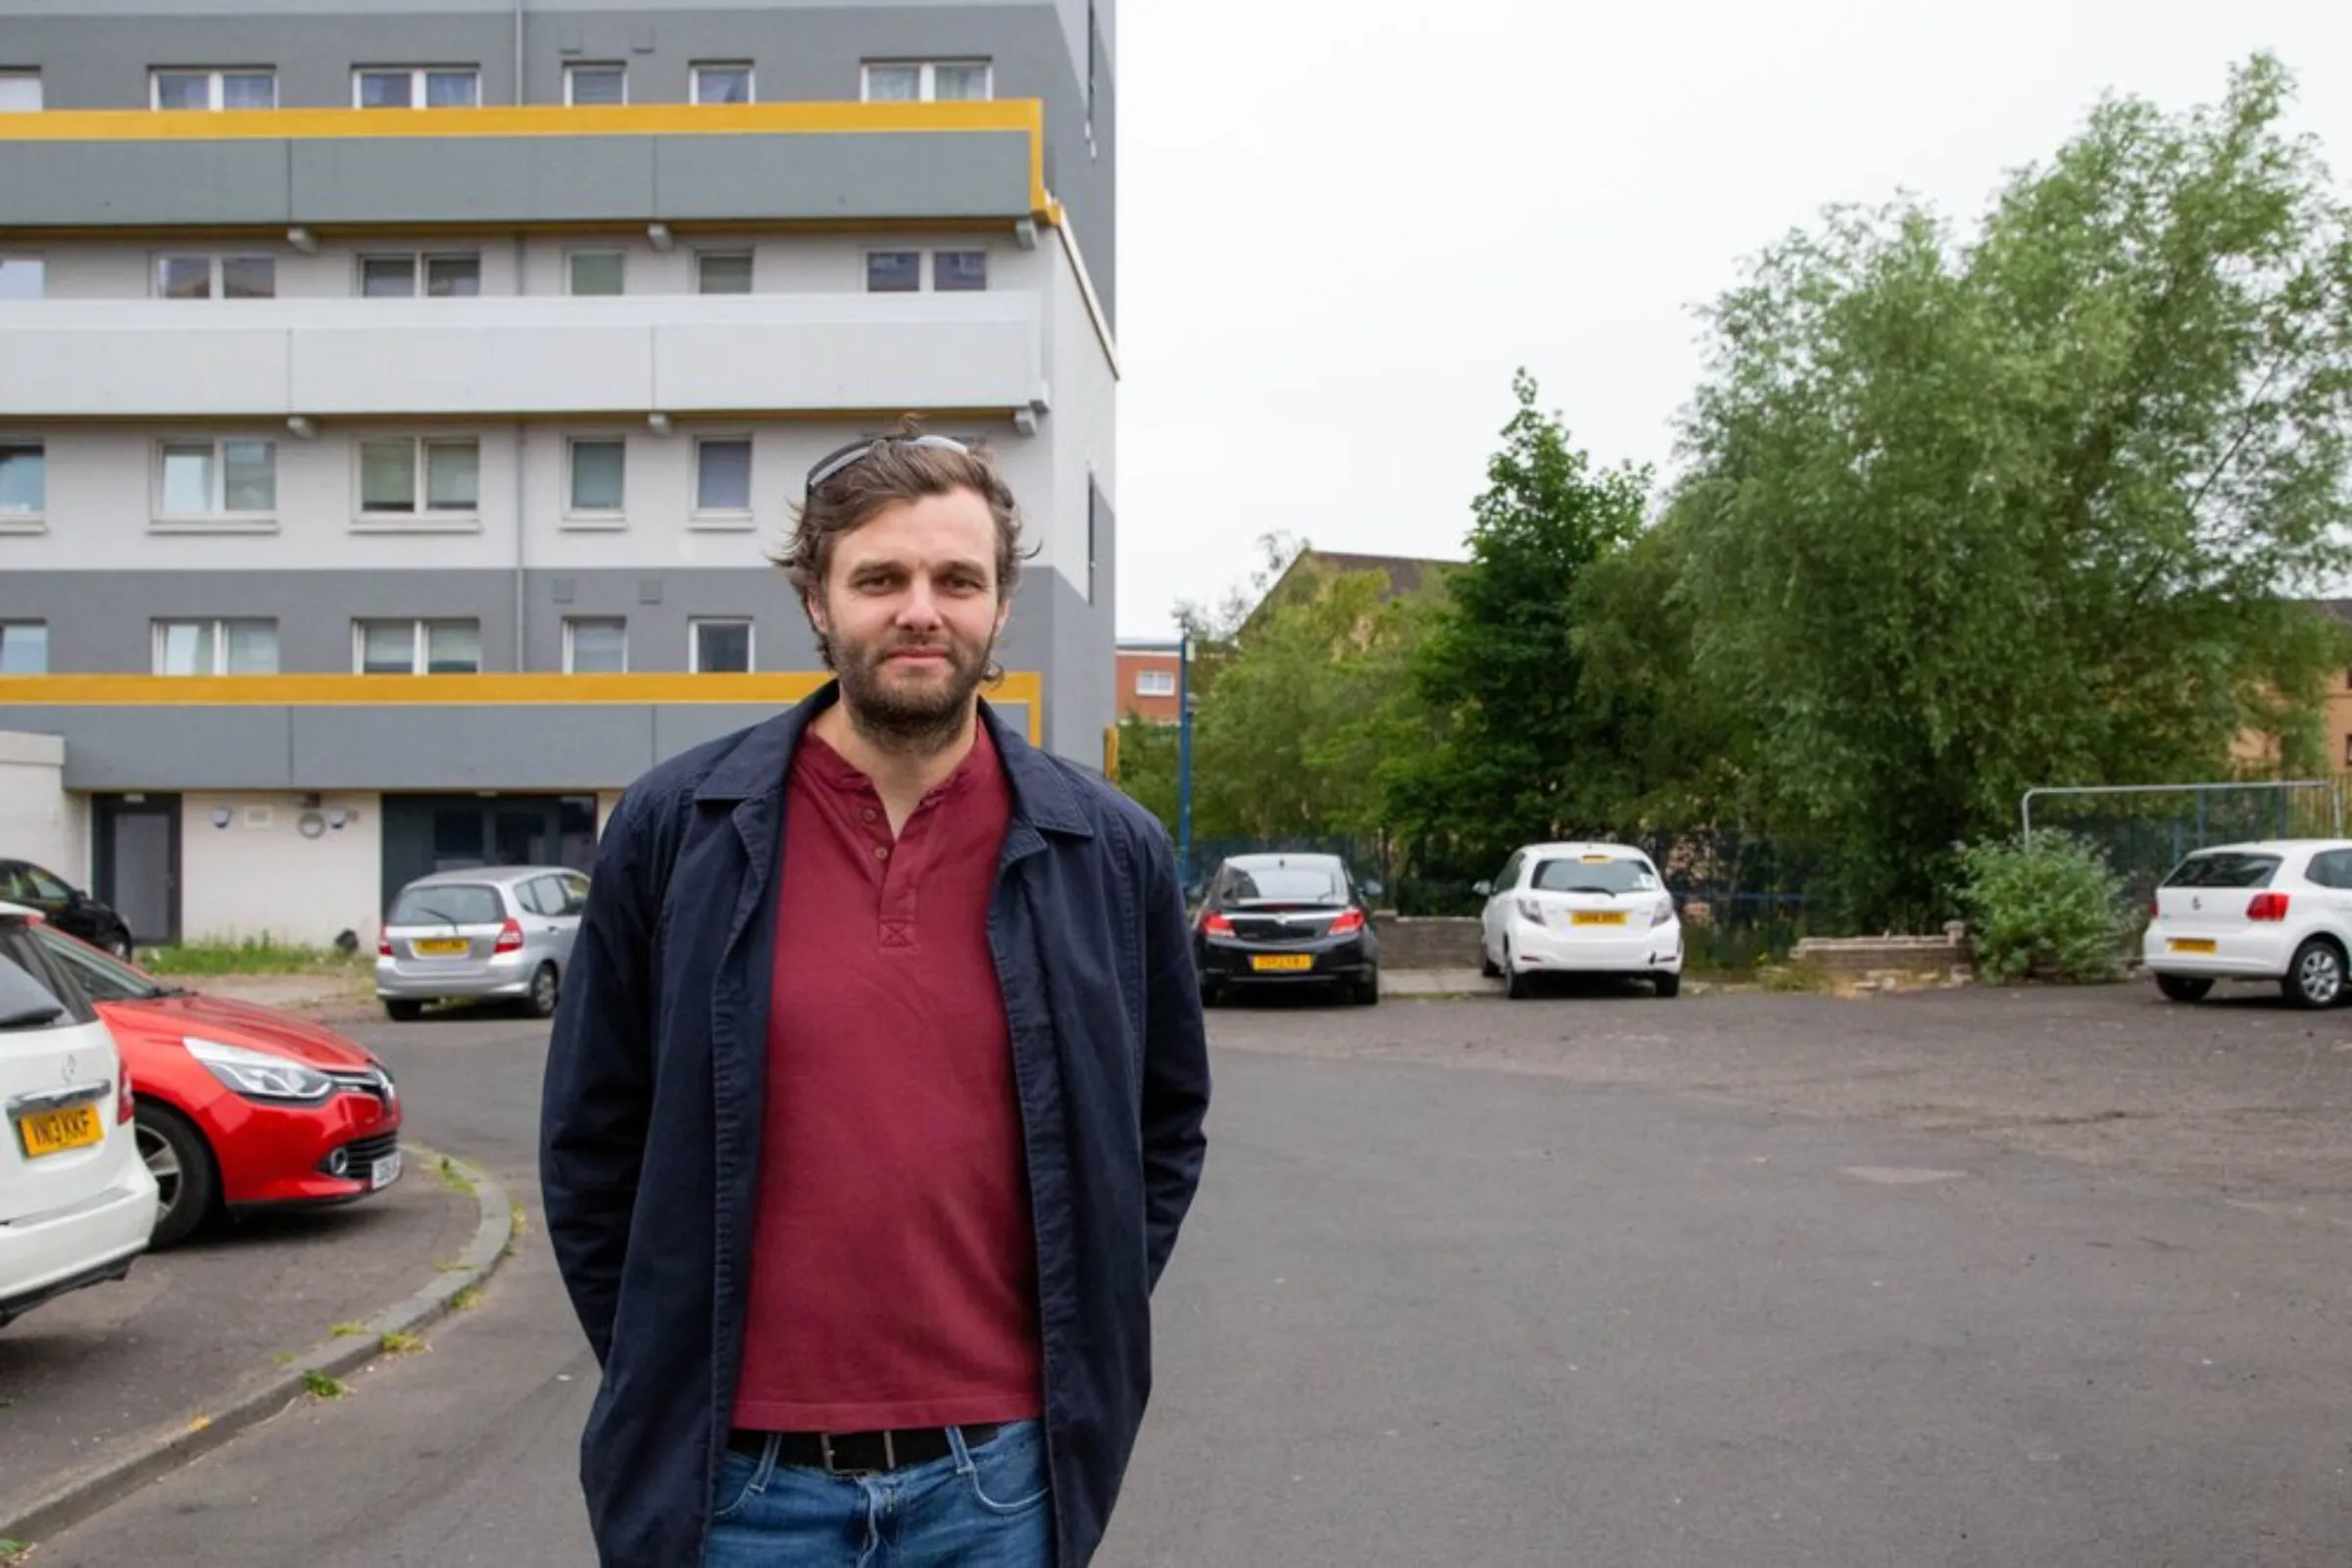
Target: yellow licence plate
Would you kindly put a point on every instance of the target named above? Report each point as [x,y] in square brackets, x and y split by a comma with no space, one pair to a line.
[53,1132]
[1282,961]
[2191,944]
[1597,917]
[436,947]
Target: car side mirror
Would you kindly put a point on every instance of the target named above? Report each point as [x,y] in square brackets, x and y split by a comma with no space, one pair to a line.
[1374,888]
[1483,889]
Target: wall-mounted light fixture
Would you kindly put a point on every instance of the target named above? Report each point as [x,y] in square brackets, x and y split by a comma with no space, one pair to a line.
[1024,233]
[338,817]
[221,816]
[659,235]
[303,240]
[303,426]
[660,424]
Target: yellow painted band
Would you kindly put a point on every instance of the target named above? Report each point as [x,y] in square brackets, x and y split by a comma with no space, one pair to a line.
[1023,114]
[1023,686]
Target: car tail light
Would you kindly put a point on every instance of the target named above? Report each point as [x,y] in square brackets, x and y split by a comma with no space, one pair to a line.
[1529,910]
[1346,922]
[1217,925]
[127,1104]
[510,936]
[2266,906]
[383,947]
[1663,912]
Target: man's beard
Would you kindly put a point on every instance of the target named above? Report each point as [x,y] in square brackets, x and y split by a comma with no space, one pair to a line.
[919,715]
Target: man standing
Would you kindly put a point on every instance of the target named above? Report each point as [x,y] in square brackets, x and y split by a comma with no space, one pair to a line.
[874,1100]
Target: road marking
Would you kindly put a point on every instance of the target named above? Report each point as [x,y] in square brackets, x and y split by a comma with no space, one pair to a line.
[1901,1175]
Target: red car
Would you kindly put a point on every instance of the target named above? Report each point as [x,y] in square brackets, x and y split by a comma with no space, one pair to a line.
[239,1106]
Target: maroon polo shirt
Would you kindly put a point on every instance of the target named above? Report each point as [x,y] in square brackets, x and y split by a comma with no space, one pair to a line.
[894,1272]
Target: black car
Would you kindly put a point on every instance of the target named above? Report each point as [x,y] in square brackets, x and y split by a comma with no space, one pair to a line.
[1286,919]
[63,905]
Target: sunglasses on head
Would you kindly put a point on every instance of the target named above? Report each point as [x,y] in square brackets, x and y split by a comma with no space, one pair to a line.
[836,463]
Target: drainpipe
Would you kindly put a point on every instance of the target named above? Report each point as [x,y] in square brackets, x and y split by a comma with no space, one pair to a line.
[519,54]
[521,430]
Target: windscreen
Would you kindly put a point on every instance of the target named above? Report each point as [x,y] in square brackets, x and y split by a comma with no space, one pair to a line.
[1593,877]
[2225,869]
[455,903]
[1288,884]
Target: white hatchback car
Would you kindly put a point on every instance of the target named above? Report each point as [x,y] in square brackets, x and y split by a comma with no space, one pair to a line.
[76,1201]
[2277,910]
[1580,909]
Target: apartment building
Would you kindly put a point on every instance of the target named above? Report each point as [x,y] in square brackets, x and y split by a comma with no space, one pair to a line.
[398,403]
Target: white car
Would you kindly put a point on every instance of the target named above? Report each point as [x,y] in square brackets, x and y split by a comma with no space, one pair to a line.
[76,1201]
[2276,911]
[1580,909]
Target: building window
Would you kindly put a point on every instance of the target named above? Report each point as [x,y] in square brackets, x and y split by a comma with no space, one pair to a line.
[216,277]
[724,83]
[420,477]
[20,91]
[596,646]
[216,480]
[1155,683]
[599,477]
[959,272]
[398,277]
[24,648]
[215,648]
[955,272]
[23,481]
[22,277]
[418,647]
[907,82]
[215,89]
[722,271]
[586,84]
[426,87]
[596,273]
[721,647]
[722,476]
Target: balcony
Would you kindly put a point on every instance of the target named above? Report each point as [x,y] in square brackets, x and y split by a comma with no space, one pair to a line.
[130,169]
[627,355]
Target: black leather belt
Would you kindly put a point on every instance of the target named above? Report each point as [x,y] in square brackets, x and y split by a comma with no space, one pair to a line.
[852,1453]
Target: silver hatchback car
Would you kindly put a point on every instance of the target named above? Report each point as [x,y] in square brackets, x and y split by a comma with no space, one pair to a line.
[497,931]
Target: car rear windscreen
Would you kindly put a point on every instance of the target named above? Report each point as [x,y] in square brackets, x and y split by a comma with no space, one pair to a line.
[1289,884]
[1593,877]
[2227,870]
[460,903]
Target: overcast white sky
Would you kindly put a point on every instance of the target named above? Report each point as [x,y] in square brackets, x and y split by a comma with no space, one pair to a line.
[1342,226]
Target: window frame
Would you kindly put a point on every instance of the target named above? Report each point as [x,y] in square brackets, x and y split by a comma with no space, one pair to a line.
[572,259]
[419,641]
[422,516]
[694,643]
[21,623]
[578,516]
[220,519]
[1155,688]
[926,267]
[572,626]
[694,81]
[750,259]
[572,69]
[419,93]
[38,519]
[725,517]
[215,275]
[420,272]
[217,625]
[40,92]
[927,82]
[215,85]
[38,259]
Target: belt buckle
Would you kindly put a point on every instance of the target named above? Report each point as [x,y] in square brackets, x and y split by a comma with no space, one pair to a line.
[824,1446]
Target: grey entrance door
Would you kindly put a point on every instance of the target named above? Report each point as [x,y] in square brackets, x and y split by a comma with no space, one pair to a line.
[139,864]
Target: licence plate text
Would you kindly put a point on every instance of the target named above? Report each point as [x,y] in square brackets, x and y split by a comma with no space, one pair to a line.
[440,945]
[1597,917]
[1282,961]
[53,1132]
[2192,944]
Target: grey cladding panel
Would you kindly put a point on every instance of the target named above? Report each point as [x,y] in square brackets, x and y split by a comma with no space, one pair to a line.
[882,175]
[88,182]
[474,178]
[486,747]
[164,748]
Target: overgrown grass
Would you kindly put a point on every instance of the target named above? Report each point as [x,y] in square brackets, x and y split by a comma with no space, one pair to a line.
[252,956]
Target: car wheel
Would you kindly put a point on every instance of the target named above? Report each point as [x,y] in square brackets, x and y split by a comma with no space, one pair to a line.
[2316,978]
[1367,990]
[542,1000]
[186,1185]
[1488,966]
[404,1011]
[1516,983]
[2183,988]
[120,945]
[1669,985]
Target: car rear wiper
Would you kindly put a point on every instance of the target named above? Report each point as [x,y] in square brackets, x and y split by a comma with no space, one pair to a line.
[1584,888]
[32,1017]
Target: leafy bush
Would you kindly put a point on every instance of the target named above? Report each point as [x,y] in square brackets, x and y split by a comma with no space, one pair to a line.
[2053,909]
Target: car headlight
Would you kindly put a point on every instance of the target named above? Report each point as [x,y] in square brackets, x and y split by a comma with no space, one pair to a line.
[258,1075]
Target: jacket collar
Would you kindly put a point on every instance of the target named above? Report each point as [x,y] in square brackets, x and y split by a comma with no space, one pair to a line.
[1042,795]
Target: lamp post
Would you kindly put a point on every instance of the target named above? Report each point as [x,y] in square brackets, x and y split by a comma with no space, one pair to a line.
[1184,757]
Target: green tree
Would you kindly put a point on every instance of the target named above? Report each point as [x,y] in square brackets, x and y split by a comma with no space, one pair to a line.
[1148,766]
[2033,508]
[1516,751]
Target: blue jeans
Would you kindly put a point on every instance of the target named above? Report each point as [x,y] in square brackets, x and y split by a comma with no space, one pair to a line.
[983,1507]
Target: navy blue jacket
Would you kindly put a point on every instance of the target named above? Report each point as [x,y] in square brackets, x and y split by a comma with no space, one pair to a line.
[652,1115]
